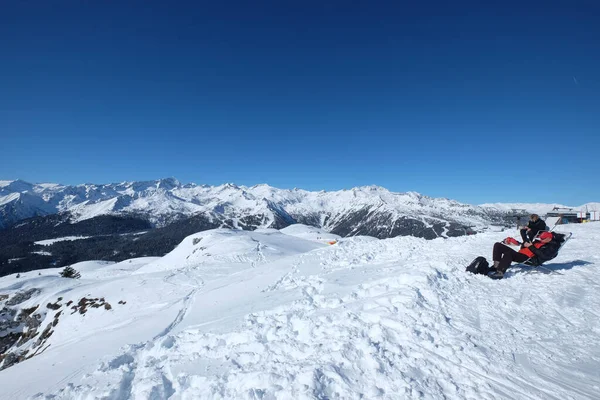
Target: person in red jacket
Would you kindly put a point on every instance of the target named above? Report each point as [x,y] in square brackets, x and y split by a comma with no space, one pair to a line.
[539,251]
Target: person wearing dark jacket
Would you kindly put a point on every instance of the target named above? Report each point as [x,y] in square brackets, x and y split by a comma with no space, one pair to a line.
[535,225]
[540,251]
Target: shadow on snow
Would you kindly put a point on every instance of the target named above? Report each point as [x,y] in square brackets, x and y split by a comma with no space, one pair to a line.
[520,269]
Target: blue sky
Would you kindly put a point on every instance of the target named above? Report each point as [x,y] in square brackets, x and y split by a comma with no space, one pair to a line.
[468,101]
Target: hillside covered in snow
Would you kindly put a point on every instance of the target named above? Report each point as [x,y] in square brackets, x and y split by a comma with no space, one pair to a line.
[301,313]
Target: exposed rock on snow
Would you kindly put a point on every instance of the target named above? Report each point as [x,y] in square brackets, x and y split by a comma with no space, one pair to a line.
[20,297]
[20,336]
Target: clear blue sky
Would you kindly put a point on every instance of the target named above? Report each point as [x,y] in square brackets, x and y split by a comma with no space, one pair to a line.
[463,100]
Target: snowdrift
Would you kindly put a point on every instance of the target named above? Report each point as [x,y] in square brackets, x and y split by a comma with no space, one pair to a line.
[272,315]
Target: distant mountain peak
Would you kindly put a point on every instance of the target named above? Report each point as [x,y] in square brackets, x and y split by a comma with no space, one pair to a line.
[17,185]
[372,188]
[168,183]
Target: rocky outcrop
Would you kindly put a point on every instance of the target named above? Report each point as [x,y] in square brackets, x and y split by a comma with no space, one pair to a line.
[24,332]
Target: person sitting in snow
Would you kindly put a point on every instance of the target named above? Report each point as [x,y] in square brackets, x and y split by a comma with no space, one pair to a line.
[540,251]
[535,225]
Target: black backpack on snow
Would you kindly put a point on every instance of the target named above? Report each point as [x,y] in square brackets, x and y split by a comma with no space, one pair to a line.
[480,266]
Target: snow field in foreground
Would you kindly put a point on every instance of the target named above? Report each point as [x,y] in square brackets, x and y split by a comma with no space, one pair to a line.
[270,316]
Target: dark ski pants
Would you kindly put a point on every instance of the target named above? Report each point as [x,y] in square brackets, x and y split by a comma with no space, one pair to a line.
[527,236]
[506,256]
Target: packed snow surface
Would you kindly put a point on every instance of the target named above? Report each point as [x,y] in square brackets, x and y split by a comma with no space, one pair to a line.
[266,315]
[310,233]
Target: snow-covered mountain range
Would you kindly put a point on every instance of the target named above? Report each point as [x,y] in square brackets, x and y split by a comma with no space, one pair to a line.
[367,210]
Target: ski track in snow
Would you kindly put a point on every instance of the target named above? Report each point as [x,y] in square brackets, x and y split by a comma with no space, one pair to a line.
[369,318]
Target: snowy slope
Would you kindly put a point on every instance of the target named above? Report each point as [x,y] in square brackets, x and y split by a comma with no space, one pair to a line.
[310,233]
[223,248]
[590,207]
[364,318]
[61,239]
[16,206]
